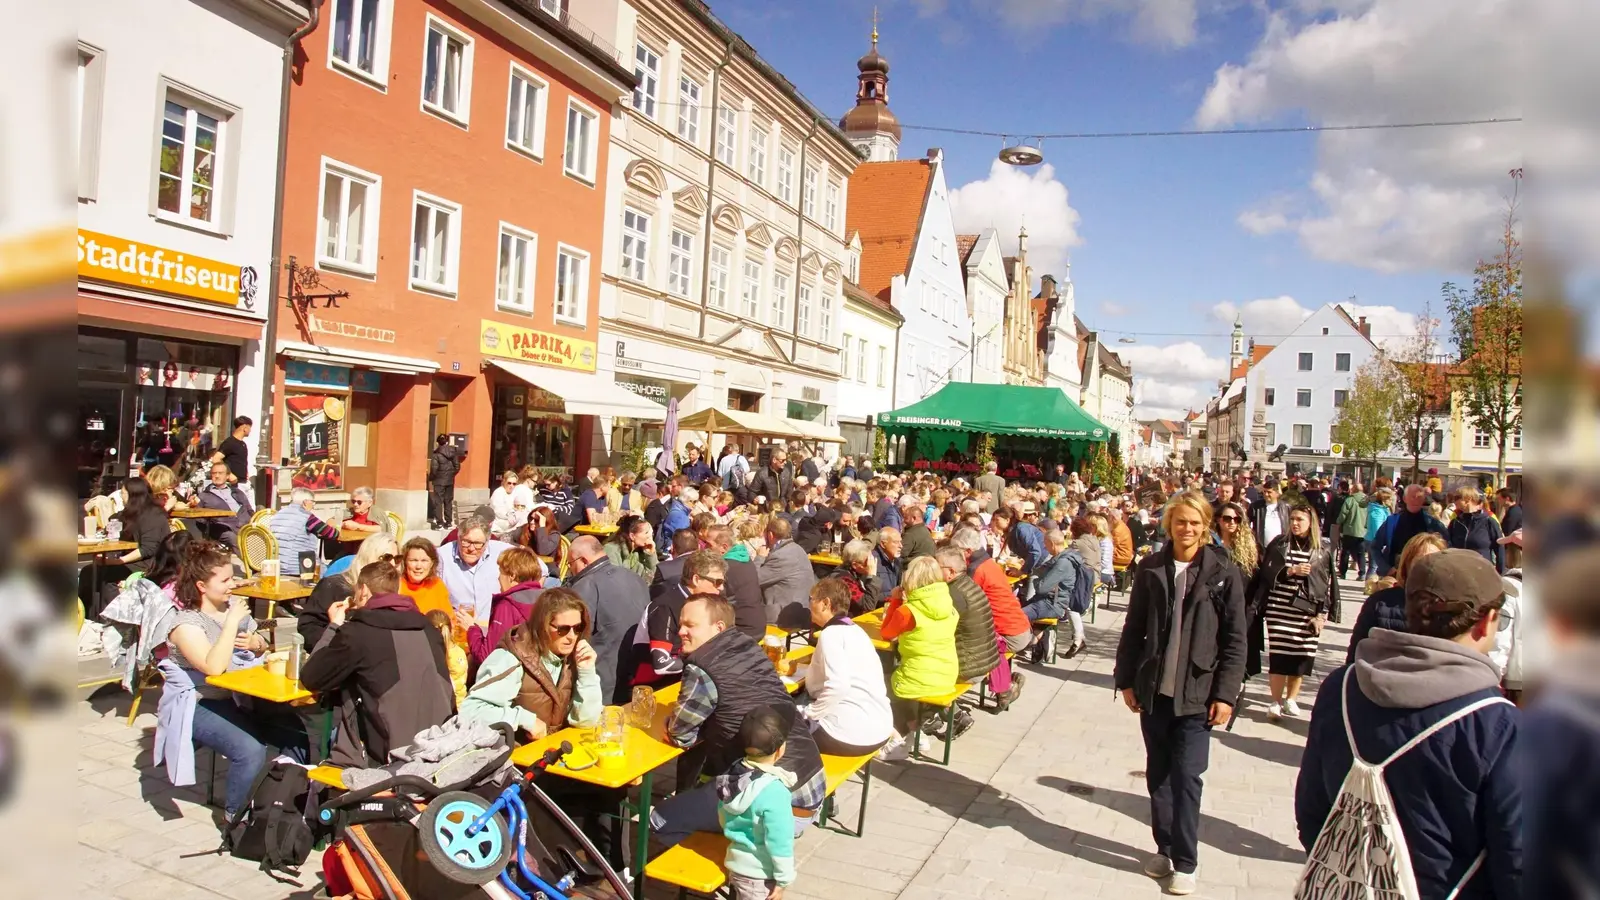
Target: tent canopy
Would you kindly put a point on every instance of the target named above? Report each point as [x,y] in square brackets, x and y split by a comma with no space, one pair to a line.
[998,409]
[736,421]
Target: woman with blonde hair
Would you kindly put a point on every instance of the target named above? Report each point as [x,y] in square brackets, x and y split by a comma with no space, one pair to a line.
[921,619]
[1294,591]
[312,617]
[1386,607]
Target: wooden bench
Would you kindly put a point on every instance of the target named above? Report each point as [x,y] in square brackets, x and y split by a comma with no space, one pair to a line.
[947,702]
[697,864]
[1049,624]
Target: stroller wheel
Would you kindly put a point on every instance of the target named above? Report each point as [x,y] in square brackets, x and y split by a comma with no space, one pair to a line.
[463,858]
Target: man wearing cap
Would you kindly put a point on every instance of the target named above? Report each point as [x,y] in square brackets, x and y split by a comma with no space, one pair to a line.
[1457,792]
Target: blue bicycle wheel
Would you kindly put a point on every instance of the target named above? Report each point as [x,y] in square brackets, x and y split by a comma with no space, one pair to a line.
[459,856]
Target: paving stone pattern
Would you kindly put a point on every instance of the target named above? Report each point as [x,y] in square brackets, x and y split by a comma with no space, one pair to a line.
[1044,801]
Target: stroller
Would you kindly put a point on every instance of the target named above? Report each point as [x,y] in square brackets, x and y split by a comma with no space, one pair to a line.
[488,836]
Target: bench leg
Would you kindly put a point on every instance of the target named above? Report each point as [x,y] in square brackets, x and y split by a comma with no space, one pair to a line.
[866,785]
[949,730]
[825,811]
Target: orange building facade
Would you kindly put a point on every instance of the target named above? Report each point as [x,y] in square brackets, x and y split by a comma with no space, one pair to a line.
[443,221]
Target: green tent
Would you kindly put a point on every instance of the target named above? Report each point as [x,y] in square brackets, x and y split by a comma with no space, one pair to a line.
[998,409]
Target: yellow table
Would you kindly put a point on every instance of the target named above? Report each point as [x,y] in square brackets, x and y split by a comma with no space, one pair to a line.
[600,531]
[873,628]
[356,535]
[274,688]
[288,589]
[100,547]
[200,512]
[825,559]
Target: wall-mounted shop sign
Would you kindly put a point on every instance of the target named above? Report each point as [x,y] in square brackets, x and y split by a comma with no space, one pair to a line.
[304,373]
[645,387]
[102,257]
[531,345]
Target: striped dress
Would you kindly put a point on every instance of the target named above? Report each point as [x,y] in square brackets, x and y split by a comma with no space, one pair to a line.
[1291,640]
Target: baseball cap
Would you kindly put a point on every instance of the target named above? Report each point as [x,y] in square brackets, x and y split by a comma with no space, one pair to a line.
[1447,584]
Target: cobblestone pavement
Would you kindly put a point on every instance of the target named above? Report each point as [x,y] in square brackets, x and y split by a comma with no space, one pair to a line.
[1044,801]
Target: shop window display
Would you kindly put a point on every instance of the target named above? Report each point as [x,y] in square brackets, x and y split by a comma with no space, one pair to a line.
[315,439]
[530,429]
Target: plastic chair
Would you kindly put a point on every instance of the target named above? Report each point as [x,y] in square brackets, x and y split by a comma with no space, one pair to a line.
[256,544]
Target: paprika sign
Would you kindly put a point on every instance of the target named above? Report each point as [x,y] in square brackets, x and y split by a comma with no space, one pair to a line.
[530,345]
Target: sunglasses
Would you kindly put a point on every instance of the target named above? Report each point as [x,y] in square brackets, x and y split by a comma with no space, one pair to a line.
[390,558]
[1229,518]
[714,582]
[564,630]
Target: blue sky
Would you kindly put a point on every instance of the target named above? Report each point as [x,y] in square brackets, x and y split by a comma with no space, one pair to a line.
[1168,229]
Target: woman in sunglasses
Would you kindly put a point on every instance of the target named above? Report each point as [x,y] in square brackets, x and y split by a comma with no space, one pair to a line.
[1235,536]
[543,676]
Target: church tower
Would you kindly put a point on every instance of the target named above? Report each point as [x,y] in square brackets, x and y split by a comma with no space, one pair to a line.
[870,125]
[1236,351]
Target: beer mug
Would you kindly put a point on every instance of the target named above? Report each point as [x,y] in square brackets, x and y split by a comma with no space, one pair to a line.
[269,574]
[642,711]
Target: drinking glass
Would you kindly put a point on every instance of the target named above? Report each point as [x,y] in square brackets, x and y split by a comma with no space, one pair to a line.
[642,711]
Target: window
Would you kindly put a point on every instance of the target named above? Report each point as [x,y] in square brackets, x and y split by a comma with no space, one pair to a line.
[525,111]
[861,360]
[1340,398]
[1272,396]
[802,305]
[572,285]
[680,263]
[1438,441]
[1302,435]
[553,7]
[446,71]
[1516,438]
[582,128]
[435,243]
[1305,362]
[786,174]
[808,195]
[514,278]
[1302,397]
[635,243]
[727,135]
[825,317]
[721,263]
[1341,362]
[854,275]
[757,156]
[647,69]
[1272,435]
[348,231]
[186,176]
[86,119]
[359,43]
[830,207]
[750,296]
[844,358]
[1482,440]
[923,296]
[780,300]
[689,109]
[883,366]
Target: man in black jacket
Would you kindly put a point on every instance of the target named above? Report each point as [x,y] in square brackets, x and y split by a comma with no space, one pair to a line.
[743,585]
[1180,663]
[443,464]
[775,481]
[617,599]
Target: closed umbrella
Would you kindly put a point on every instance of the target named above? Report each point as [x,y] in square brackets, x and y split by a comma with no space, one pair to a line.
[669,440]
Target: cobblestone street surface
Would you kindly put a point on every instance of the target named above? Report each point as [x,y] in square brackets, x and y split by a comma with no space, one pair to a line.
[1044,801]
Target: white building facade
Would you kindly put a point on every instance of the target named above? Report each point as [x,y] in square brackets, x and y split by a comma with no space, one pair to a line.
[723,275]
[177,178]
[983,265]
[866,367]
[937,335]
[1303,381]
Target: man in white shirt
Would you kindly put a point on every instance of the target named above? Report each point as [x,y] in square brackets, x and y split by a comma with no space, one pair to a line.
[1270,516]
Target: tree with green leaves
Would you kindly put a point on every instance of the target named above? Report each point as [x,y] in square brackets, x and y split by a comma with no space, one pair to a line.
[1366,423]
[1422,398]
[1486,328]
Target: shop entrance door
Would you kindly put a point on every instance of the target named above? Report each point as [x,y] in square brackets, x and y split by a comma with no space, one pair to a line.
[438,422]
[99,438]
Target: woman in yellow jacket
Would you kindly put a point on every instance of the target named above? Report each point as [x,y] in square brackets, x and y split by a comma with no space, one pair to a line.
[921,618]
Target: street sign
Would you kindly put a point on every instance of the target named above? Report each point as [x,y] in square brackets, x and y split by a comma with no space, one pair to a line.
[1336,449]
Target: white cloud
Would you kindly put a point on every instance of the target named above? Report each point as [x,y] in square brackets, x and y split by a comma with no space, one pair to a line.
[1012,196]
[1399,199]
[1186,360]
[1164,23]
[1267,320]
[1107,308]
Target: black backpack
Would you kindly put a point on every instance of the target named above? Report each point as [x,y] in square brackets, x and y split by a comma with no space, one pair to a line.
[275,827]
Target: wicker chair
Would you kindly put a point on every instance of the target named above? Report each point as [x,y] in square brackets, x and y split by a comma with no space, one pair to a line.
[261,516]
[564,558]
[397,526]
[175,525]
[256,543]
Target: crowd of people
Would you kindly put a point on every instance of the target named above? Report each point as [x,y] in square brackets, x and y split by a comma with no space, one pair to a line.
[1225,578]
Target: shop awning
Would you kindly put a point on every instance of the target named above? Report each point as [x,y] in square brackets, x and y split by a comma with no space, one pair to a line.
[998,409]
[585,393]
[734,421]
[358,359]
[816,431]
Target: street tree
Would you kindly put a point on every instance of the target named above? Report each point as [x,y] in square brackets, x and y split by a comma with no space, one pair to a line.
[1486,328]
[1422,398]
[1366,424]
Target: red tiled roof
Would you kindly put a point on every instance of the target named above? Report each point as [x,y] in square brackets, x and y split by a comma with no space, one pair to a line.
[964,245]
[885,206]
[1257,354]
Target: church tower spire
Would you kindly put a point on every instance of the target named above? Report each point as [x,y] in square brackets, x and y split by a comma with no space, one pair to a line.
[1236,351]
[870,125]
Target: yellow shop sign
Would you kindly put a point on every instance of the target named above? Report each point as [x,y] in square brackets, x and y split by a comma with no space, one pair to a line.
[102,257]
[530,345]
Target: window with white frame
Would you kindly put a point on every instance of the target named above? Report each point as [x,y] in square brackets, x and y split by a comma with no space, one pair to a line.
[727,135]
[515,276]
[635,243]
[680,263]
[1437,441]
[647,71]
[750,295]
[348,227]
[756,156]
[359,38]
[844,357]
[572,285]
[583,126]
[1302,397]
[825,316]
[1516,438]
[1341,362]
[861,360]
[830,207]
[780,300]
[447,71]
[854,275]
[1272,434]
[1271,396]
[525,112]
[808,194]
[786,174]
[689,109]
[1305,362]
[721,266]
[1302,435]
[883,366]
[86,119]
[1340,397]
[435,243]
[187,176]
[553,7]
[802,309]
[1481,439]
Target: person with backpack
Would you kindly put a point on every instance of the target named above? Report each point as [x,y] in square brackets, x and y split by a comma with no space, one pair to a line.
[443,464]
[734,470]
[1410,782]
[1057,582]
